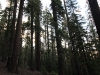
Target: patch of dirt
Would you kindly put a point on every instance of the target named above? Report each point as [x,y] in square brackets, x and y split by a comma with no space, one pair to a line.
[22,71]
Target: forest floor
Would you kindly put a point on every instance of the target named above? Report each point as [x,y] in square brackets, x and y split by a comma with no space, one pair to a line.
[22,71]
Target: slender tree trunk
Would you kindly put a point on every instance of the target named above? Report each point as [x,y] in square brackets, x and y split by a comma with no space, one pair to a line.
[45,36]
[48,54]
[32,16]
[37,41]
[70,34]
[14,59]
[12,34]
[96,14]
[20,52]
[52,43]
[48,38]
[58,41]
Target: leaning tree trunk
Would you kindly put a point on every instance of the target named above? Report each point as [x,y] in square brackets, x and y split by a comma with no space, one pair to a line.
[14,59]
[72,41]
[58,41]
[96,14]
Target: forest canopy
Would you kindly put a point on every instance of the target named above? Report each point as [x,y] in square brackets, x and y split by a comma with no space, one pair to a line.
[54,40]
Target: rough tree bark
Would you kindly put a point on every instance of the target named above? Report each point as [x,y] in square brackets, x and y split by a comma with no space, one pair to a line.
[12,34]
[14,59]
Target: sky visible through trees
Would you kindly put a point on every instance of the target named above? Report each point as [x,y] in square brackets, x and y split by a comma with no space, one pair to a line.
[82,5]
[50,37]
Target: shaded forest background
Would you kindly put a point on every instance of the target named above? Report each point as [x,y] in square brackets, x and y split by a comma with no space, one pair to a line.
[58,40]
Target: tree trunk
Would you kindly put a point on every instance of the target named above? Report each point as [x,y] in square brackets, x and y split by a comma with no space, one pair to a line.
[37,41]
[96,14]
[12,34]
[48,39]
[58,41]
[52,39]
[14,59]
[72,41]
[32,67]
[48,62]
[45,37]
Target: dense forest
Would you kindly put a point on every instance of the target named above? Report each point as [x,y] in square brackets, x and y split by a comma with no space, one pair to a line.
[53,41]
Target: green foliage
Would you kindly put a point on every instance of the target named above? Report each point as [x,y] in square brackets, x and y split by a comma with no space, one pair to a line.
[76,42]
